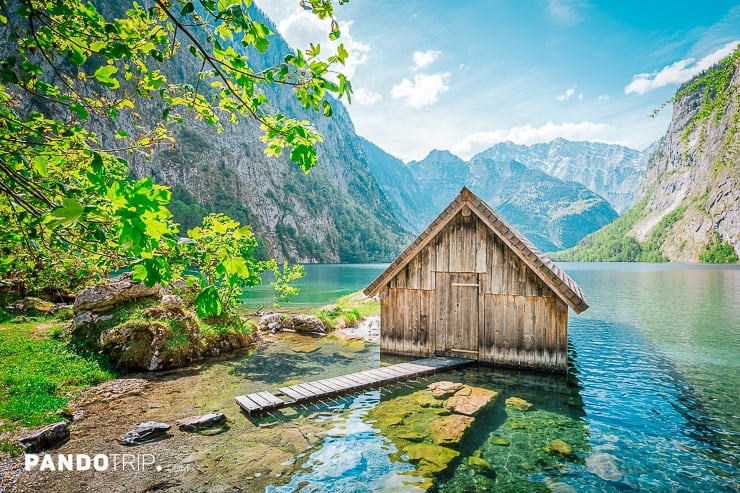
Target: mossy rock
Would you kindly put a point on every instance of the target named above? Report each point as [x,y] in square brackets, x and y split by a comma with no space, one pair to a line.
[558,447]
[450,429]
[429,458]
[481,466]
[518,404]
[500,441]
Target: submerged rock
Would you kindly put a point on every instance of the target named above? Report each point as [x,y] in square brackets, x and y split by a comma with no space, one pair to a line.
[518,404]
[444,388]
[481,466]
[430,458]
[47,437]
[450,429]
[144,432]
[195,423]
[470,400]
[306,348]
[500,441]
[558,447]
[604,466]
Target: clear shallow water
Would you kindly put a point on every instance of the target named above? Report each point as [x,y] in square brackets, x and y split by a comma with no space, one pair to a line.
[651,402]
[323,284]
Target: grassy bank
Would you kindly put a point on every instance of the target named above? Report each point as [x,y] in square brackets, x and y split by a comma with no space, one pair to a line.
[348,310]
[40,374]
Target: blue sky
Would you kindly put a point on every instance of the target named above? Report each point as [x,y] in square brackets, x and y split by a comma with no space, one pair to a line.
[464,75]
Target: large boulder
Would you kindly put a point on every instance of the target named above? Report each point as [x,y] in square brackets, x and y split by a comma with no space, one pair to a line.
[277,322]
[112,292]
[152,344]
[44,438]
[470,400]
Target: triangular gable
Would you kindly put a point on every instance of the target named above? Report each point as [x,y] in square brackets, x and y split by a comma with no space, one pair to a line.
[554,277]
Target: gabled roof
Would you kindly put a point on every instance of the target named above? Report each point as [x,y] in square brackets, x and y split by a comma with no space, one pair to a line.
[554,277]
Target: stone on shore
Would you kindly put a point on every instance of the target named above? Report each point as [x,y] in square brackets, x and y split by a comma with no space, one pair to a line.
[195,423]
[144,432]
[47,437]
[278,322]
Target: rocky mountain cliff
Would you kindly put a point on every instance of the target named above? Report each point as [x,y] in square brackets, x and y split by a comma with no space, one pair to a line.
[688,206]
[612,171]
[335,213]
[553,213]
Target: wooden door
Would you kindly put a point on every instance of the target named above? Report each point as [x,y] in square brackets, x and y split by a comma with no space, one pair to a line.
[457,321]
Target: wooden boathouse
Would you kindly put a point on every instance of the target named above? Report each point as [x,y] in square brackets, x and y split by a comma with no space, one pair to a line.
[471,286]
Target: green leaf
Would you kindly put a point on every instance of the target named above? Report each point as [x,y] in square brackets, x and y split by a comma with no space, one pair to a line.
[105,76]
[235,265]
[69,213]
[80,110]
[327,108]
[208,303]
[187,9]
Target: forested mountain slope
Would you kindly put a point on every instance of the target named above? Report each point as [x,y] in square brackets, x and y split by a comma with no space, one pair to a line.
[688,206]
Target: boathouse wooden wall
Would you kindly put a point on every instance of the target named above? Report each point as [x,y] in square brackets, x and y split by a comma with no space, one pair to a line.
[467,294]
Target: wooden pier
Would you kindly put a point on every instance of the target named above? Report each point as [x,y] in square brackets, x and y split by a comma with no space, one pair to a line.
[303,393]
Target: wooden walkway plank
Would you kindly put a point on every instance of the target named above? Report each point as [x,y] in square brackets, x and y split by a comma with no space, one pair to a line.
[345,384]
[293,394]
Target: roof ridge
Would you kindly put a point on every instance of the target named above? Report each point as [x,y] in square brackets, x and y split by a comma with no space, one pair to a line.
[559,281]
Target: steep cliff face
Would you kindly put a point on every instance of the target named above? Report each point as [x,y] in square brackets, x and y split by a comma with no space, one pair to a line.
[688,205]
[335,213]
[612,171]
[695,171]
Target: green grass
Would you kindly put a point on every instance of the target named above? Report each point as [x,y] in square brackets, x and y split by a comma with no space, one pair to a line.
[348,310]
[40,374]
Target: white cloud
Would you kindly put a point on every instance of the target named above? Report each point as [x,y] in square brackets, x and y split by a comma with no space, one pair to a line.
[603,97]
[425,58]
[566,95]
[365,97]
[527,134]
[423,91]
[580,96]
[300,28]
[564,12]
[677,72]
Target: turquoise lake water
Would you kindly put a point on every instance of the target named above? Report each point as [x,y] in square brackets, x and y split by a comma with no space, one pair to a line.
[650,402]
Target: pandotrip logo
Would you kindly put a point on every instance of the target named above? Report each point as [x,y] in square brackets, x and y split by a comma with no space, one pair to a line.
[85,462]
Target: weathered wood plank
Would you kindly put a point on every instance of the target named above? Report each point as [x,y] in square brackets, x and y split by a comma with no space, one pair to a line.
[276,401]
[296,396]
[247,404]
